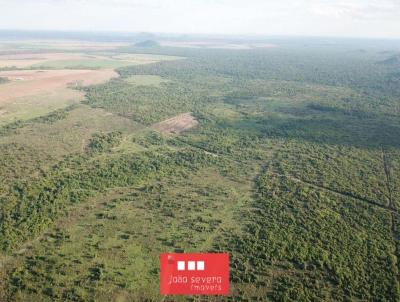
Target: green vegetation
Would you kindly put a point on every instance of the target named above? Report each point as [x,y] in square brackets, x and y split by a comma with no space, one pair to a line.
[144,58]
[82,64]
[393,60]
[293,170]
[104,61]
[104,141]
[143,104]
[146,80]
[30,107]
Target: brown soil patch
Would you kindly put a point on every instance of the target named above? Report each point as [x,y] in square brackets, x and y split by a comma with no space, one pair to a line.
[176,124]
[33,82]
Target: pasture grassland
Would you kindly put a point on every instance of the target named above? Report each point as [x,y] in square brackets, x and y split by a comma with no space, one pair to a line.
[32,82]
[31,94]
[17,63]
[59,45]
[27,60]
[83,64]
[105,61]
[29,107]
[77,60]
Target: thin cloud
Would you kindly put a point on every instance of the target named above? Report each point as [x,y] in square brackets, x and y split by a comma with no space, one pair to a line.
[285,17]
[357,9]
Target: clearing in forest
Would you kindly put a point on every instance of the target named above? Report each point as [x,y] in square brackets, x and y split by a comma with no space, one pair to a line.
[176,124]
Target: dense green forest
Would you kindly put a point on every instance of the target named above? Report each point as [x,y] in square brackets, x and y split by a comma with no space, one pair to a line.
[294,169]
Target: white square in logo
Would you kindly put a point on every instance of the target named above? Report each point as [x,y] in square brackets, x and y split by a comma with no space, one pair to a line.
[191,265]
[200,265]
[181,265]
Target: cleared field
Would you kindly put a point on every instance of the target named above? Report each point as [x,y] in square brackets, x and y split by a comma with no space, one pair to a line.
[32,93]
[83,64]
[176,124]
[37,105]
[78,60]
[60,45]
[79,45]
[22,60]
[33,82]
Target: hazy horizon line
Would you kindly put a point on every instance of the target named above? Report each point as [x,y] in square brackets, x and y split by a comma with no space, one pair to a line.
[203,35]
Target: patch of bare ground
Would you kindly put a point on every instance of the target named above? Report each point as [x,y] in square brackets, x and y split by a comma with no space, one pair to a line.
[177,124]
[33,82]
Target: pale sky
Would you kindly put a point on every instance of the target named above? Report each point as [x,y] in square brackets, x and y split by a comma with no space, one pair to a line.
[347,18]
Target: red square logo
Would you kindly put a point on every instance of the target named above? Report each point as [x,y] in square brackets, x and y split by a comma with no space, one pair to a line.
[194,274]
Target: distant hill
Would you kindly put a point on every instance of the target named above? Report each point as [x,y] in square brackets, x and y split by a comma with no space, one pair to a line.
[148,44]
[393,60]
